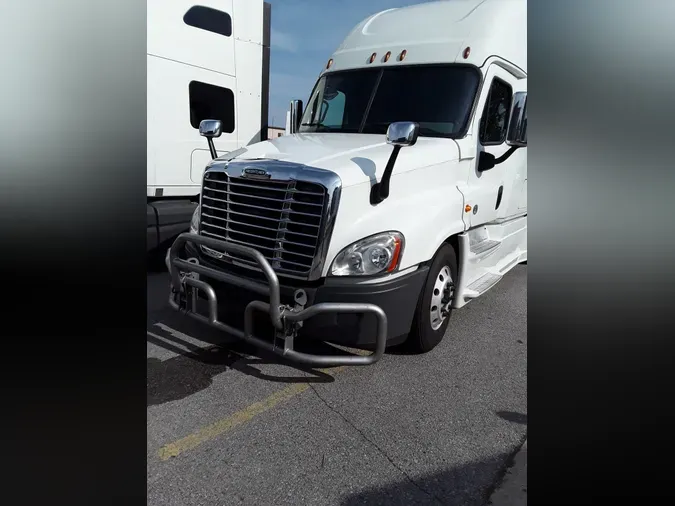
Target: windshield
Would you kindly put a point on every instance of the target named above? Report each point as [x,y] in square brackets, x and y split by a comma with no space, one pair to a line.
[437,97]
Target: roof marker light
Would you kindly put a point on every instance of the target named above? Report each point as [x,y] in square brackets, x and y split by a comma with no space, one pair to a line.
[386,56]
[467,52]
[401,57]
[330,62]
[372,58]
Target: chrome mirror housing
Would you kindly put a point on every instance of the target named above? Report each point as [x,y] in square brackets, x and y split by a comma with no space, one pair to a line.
[210,128]
[403,133]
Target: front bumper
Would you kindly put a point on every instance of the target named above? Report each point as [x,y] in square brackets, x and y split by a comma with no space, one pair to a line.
[328,318]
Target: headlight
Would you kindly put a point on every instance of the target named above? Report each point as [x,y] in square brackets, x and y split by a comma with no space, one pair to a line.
[194,223]
[373,255]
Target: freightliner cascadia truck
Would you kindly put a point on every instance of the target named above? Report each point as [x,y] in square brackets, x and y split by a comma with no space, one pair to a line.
[399,196]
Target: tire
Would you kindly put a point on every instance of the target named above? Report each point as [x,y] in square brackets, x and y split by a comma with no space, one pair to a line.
[424,334]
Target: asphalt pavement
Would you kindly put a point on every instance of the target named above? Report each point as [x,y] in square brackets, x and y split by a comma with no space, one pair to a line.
[228,424]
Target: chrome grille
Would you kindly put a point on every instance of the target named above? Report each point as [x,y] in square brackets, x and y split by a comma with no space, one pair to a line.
[280,219]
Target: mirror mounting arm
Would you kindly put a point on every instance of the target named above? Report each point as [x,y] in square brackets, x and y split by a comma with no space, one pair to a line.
[380,191]
[212,148]
[506,155]
[399,134]
[487,161]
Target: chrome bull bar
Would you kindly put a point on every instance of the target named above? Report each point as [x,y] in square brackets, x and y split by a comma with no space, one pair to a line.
[286,320]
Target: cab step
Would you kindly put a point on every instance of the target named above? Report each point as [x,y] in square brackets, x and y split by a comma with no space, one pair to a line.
[485,247]
[481,285]
[487,253]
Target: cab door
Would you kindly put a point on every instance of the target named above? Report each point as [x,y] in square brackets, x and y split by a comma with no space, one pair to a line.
[489,190]
[514,197]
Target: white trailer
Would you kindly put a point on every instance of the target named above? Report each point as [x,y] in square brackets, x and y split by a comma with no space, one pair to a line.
[206,59]
[399,195]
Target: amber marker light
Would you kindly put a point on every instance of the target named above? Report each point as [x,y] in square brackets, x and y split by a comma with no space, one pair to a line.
[330,62]
[387,56]
[401,57]
[395,257]
[467,208]
[372,58]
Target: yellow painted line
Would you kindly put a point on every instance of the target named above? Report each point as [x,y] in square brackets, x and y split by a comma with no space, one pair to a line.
[240,417]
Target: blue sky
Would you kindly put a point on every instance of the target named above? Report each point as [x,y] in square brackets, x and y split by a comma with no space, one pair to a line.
[304,34]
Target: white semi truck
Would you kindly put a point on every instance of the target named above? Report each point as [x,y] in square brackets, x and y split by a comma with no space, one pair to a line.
[206,59]
[399,195]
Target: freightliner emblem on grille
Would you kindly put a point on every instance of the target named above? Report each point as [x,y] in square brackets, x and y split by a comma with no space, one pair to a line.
[255,173]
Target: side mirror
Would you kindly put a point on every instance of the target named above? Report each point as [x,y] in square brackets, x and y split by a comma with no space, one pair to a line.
[399,134]
[403,133]
[295,116]
[516,135]
[211,128]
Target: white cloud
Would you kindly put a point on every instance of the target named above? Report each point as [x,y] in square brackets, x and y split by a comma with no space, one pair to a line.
[283,41]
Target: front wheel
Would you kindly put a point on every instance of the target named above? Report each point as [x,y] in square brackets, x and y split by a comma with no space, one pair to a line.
[434,306]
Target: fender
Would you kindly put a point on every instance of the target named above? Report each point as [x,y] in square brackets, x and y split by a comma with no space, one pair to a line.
[451,227]
[425,214]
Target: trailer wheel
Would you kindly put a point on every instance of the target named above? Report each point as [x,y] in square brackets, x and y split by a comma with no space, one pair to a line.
[433,310]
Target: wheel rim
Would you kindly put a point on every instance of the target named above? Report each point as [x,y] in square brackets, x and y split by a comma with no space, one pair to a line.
[441,297]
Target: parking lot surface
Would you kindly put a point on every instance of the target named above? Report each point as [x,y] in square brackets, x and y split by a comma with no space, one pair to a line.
[228,424]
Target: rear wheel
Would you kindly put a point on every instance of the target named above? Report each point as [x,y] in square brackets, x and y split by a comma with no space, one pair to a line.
[433,308]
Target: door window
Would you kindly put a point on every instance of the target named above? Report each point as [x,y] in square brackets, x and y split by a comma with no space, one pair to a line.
[495,118]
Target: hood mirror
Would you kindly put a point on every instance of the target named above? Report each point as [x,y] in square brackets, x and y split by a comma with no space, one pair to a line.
[211,128]
[399,134]
[403,133]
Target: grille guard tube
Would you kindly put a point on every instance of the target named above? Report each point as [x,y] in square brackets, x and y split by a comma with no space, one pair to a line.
[278,314]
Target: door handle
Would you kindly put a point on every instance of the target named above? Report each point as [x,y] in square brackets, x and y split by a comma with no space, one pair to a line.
[500,192]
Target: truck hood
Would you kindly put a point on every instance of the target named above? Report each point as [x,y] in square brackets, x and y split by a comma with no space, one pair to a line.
[356,158]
